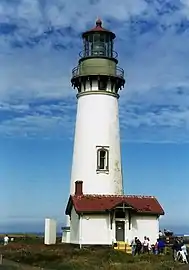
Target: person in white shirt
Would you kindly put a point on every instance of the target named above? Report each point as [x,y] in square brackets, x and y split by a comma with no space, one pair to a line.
[181,256]
[149,245]
[6,240]
[145,245]
[184,253]
[183,247]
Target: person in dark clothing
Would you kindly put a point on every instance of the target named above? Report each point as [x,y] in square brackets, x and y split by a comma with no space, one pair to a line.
[176,247]
[138,247]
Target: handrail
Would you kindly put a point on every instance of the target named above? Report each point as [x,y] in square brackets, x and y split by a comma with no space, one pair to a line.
[77,71]
[90,53]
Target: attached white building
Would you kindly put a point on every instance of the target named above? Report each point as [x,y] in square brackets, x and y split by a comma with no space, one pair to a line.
[104,219]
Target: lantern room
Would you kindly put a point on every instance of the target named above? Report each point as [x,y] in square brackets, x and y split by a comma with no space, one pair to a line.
[98,42]
[97,66]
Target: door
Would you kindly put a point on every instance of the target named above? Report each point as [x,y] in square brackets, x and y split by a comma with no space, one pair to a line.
[120,231]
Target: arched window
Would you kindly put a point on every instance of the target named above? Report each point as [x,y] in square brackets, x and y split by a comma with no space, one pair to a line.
[102,159]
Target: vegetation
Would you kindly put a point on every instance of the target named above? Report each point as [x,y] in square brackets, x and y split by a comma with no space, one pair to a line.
[66,257]
[30,250]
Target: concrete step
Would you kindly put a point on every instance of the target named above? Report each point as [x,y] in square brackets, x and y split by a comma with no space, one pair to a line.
[123,246]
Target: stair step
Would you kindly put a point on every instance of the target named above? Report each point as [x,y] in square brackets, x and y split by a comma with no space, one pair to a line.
[124,247]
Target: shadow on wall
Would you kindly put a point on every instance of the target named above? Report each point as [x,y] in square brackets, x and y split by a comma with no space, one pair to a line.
[134,224]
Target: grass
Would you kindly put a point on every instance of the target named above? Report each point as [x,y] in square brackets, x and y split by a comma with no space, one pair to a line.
[66,257]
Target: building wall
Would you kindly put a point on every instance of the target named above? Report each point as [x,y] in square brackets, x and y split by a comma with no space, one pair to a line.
[74,227]
[50,231]
[145,226]
[97,124]
[96,230]
[141,225]
[66,236]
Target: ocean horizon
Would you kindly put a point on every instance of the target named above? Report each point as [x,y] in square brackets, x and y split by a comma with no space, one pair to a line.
[38,228]
[59,234]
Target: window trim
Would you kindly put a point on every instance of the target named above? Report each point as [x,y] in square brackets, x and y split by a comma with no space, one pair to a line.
[99,149]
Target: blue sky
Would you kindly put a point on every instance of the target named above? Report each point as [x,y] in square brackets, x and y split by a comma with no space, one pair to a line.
[39,46]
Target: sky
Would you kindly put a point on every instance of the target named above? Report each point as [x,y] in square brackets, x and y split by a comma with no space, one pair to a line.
[40,41]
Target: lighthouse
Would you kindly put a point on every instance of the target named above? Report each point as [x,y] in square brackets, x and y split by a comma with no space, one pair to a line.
[97,80]
[98,212]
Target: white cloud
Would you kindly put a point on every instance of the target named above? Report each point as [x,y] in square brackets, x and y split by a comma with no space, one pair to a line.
[153,51]
[34,74]
[58,13]
[40,120]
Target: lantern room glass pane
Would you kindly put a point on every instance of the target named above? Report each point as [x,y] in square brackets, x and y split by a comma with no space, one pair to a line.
[98,44]
[86,47]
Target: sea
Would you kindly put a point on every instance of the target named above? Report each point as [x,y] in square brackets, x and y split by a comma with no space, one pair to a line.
[38,229]
[59,234]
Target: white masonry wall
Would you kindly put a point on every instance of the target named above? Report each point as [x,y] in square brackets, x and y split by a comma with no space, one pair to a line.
[95,230]
[50,231]
[90,229]
[97,124]
[143,225]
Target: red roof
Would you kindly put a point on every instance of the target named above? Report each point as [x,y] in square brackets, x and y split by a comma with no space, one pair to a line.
[101,203]
[99,28]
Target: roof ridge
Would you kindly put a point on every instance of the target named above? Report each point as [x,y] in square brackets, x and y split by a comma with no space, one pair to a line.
[118,196]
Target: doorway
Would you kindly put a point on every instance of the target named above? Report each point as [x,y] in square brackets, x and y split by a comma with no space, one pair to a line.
[120,231]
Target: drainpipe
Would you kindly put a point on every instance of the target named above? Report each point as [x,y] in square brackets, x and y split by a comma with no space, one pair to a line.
[80,231]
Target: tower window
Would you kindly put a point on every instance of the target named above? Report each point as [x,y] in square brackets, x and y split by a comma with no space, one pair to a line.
[102,159]
[102,85]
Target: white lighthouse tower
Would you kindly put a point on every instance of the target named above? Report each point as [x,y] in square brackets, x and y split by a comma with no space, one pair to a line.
[96,153]
[98,211]
[97,78]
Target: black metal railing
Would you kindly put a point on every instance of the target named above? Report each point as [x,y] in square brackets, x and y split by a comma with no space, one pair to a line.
[97,70]
[96,53]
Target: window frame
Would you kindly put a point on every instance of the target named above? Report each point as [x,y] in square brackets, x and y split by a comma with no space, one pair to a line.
[106,167]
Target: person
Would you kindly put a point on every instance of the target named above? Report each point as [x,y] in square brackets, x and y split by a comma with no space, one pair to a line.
[138,247]
[182,253]
[149,245]
[145,245]
[176,248]
[156,247]
[133,246]
[160,234]
[161,246]
[184,250]
[6,240]
[181,257]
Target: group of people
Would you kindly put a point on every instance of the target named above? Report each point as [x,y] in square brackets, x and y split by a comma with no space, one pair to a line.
[139,247]
[7,239]
[179,248]
[180,251]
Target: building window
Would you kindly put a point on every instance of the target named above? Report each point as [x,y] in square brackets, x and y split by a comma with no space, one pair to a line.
[103,159]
